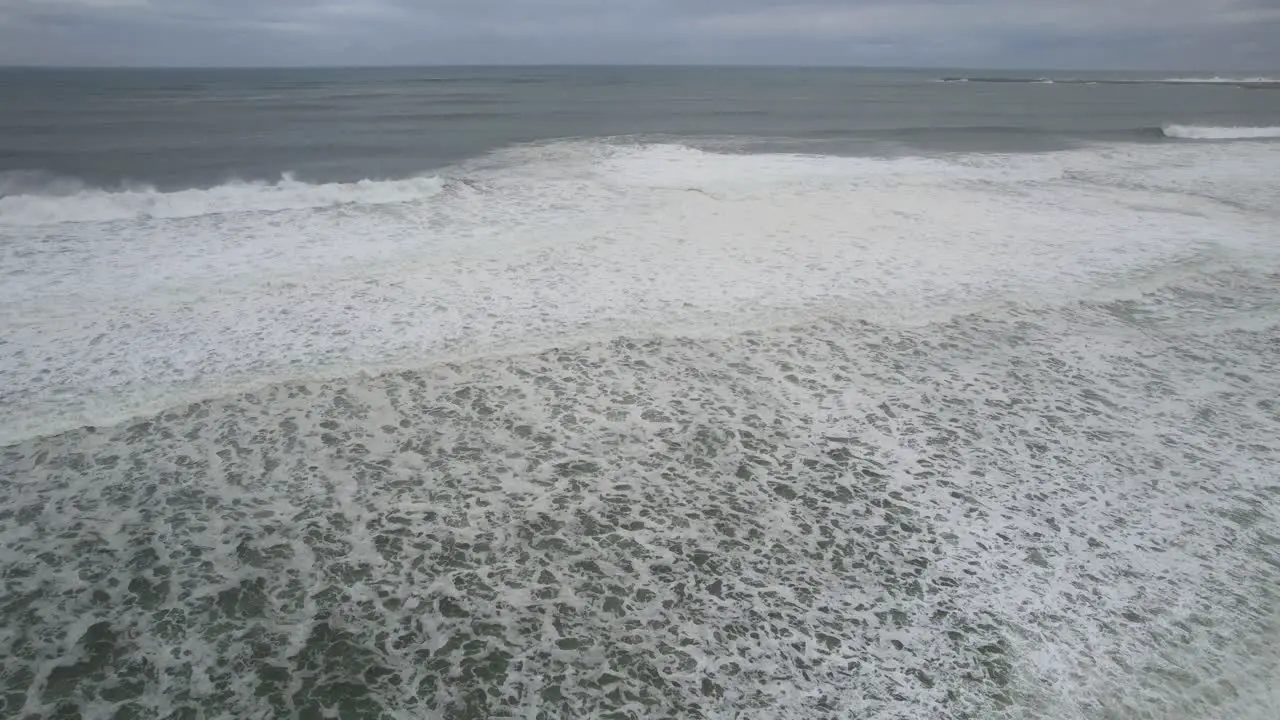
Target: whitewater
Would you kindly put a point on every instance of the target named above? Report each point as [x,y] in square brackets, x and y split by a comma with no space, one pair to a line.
[1192,132]
[617,427]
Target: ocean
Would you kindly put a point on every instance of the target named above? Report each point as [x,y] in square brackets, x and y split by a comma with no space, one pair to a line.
[639,393]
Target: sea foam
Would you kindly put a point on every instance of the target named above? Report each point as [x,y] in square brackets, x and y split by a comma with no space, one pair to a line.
[1200,132]
[671,432]
[537,246]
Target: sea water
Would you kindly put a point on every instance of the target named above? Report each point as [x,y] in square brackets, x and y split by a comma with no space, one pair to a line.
[638,393]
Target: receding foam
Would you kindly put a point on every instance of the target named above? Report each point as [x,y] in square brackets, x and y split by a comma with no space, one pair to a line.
[1054,512]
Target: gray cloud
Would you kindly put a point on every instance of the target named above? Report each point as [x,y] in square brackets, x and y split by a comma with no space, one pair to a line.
[1175,34]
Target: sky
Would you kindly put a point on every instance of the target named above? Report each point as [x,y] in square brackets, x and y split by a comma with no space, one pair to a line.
[1077,34]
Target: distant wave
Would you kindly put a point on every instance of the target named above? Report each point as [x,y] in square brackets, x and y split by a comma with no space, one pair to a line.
[1249,82]
[39,200]
[1013,80]
[1223,80]
[1198,132]
[33,198]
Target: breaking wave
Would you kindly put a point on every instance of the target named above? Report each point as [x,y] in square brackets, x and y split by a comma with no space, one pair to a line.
[1250,82]
[70,201]
[1216,80]
[1200,132]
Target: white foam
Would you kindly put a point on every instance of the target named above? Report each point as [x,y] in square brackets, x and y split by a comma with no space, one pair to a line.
[1200,132]
[545,245]
[1216,80]
[97,205]
[1027,512]
[1003,497]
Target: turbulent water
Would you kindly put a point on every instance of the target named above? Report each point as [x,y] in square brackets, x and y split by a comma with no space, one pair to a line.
[639,393]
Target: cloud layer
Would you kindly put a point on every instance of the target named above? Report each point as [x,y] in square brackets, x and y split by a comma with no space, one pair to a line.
[1164,34]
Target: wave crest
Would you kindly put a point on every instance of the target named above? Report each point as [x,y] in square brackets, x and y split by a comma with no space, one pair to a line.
[42,205]
[1201,132]
[1217,80]
[1244,82]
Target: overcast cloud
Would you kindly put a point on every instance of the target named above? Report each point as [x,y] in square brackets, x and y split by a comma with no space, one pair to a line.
[1134,34]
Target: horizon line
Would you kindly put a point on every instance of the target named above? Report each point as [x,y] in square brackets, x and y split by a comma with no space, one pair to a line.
[580,65]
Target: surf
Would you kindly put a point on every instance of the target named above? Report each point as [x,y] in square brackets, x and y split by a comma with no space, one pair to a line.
[606,426]
[97,205]
[1202,132]
[534,246]
[1021,510]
